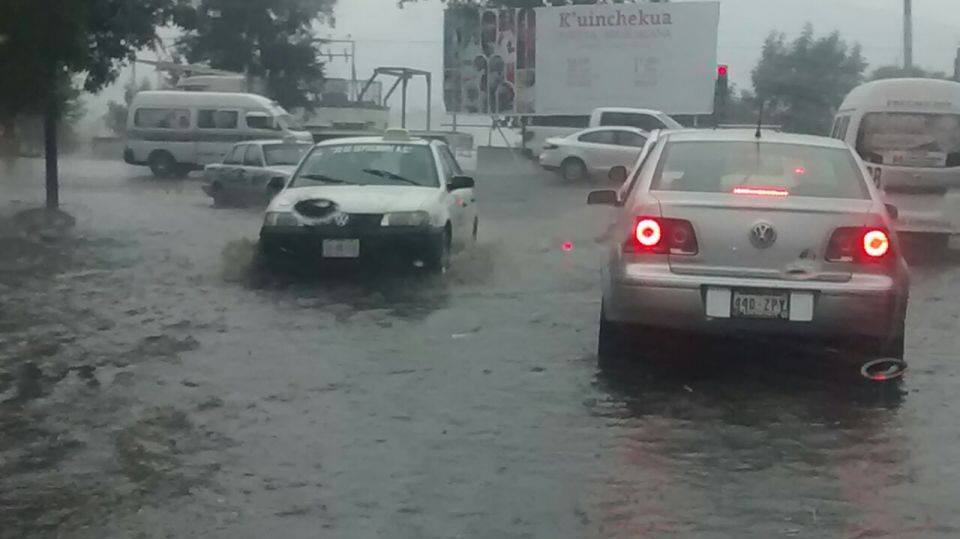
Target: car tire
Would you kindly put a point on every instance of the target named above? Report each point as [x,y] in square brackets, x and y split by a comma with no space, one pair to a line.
[573,169]
[217,194]
[162,165]
[438,260]
[610,339]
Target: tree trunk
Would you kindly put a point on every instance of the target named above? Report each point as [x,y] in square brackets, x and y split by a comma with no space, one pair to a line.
[50,153]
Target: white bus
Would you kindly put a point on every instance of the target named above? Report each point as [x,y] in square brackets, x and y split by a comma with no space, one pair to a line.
[540,128]
[907,131]
[175,132]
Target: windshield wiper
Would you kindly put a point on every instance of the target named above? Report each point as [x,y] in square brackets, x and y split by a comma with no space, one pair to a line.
[322,178]
[387,174]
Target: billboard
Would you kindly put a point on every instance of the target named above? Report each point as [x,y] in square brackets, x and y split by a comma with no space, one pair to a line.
[572,59]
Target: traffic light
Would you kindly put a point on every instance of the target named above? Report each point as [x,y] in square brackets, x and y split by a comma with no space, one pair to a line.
[721,95]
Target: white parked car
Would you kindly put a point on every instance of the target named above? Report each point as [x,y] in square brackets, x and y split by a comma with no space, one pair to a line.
[541,128]
[593,152]
[373,198]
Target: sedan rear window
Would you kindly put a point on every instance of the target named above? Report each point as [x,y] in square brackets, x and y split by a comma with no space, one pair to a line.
[284,154]
[726,167]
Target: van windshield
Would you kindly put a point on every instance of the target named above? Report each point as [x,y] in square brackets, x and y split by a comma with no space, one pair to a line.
[910,139]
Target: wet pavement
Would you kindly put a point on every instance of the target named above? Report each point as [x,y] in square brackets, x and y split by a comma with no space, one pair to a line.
[151,385]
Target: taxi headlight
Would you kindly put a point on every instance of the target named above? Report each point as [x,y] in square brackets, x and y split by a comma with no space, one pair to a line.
[406,218]
[279,218]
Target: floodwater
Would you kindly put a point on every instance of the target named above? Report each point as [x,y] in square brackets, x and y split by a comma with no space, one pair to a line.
[151,385]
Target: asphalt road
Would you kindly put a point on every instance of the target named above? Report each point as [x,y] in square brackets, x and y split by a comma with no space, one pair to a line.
[150,387]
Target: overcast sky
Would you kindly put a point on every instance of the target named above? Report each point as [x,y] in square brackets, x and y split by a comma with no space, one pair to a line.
[412,36]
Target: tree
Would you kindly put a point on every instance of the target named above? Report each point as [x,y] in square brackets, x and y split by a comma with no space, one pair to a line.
[116,115]
[900,72]
[270,39]
[802,82]
[49,42]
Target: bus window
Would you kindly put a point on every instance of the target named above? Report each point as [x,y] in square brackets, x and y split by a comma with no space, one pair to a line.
[910,139]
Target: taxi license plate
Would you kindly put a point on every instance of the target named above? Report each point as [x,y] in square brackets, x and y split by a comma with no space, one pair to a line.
[341,248]
[760,304]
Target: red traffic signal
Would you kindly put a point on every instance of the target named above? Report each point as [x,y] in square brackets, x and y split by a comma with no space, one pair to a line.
[722,70]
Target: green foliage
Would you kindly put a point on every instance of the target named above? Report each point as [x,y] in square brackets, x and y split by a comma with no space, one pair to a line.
[900,72]
[270,39]
[802,82]
[116,115]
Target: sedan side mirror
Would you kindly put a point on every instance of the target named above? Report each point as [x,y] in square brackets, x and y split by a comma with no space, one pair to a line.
[460,182]
[275,185]
[892,211]
[618,174]
[606,197]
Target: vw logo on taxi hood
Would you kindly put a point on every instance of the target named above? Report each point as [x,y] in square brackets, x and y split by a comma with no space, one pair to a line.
[763,235]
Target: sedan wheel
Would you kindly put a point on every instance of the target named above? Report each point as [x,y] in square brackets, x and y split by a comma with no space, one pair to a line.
[573,170]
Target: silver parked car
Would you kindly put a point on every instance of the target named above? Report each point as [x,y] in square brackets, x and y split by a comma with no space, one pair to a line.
[728,232]
[249,167]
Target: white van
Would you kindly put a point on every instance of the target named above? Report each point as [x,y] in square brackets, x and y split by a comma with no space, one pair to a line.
[175,132]
[908,133]
[540,128]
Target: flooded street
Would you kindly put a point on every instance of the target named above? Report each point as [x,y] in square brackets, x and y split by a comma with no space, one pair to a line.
[153,385]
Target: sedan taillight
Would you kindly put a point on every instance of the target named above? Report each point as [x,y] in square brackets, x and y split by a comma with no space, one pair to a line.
[858,244]
[662,236]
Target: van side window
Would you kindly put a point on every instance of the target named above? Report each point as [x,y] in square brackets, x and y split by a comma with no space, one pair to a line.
[631,119]
[217,119]
[844,125]
[158,118]
[835,132]
[259,120]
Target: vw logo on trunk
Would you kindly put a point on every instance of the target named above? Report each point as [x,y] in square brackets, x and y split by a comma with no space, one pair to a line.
[763,235]
[341,219]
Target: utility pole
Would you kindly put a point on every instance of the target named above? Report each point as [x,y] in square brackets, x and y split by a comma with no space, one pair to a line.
[956,67]
[907,34]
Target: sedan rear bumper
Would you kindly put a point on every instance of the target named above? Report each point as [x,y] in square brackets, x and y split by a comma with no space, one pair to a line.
[867,305]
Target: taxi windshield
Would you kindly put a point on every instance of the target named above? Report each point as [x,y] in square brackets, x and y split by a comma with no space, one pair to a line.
[368,164]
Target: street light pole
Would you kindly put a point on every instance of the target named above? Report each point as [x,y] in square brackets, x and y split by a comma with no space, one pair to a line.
[907,34]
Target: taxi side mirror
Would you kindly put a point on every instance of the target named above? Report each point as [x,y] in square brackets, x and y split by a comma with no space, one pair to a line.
[460,182]
[605,197]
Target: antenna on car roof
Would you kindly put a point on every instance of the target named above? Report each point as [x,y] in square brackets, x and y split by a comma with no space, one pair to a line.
[759,118]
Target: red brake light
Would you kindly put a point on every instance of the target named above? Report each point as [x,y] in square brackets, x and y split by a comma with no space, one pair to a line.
[662,236]
[855,244]
[876,243]
[648,232]
[722,70]
[761,191]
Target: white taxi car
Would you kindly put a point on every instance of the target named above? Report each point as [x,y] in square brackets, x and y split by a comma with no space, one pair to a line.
[373,198]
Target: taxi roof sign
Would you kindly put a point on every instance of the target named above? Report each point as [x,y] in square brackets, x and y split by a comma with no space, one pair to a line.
[396,134]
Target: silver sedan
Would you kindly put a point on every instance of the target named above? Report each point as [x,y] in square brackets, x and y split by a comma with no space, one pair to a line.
[725,232]
[252,171]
